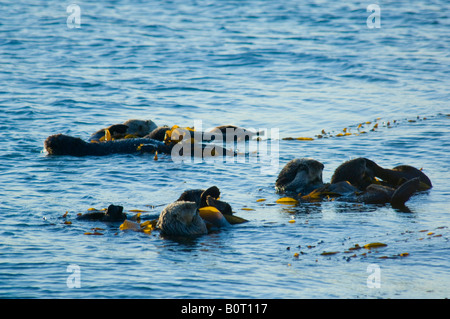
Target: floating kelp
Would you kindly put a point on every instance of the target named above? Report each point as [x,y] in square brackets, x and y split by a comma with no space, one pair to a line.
[328,253]
[298,138]
[145,227]
[374,245]
[94,233]
[287,201]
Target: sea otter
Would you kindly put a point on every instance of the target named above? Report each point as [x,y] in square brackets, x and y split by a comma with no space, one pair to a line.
[300,175]
[158,133]
[372,194]
[352,181]
[130,128]
[220,134]
[361,172]
[60,144]
[199,196]
[181,218]
[210,197]
[112,214]
[144,136]
[233,133]
[191,215]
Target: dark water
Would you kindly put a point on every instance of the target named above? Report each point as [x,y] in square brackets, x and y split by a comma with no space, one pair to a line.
[295,66]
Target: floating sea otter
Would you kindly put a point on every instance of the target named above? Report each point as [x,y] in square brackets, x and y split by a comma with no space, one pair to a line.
[352,181]
[181,219]
[112,214]
[147,128]
[137,136]
[129,129]
[300,175]
[231,133]
[210,197]
[196,212]
[361,172]
[60,144]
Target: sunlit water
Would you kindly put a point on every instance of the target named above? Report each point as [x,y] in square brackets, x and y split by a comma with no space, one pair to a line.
[299,67]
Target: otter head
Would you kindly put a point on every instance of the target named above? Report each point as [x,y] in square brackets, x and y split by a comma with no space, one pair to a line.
[360,172]
[115,213]
[60,144]
[118,131]
[181,219]
[158,133]
[223,207]
[300,175]
[410,172]
[140,127]
[213,192]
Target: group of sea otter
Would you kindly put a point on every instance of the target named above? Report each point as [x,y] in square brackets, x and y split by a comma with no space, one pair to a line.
[144,136]
[198,211]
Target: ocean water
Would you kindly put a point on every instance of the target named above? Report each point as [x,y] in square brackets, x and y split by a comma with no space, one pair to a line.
[299,67]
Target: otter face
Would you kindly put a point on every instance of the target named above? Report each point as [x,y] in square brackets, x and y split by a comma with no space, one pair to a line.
[140,127]
[300,176]
[181,219]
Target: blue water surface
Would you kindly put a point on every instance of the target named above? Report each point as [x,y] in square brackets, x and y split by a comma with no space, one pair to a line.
[299,67]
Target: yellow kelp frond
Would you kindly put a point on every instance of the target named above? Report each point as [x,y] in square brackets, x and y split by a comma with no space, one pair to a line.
[314,195]
[129,225]
[212,216]
[287,201]
[298,138]
[176,134]
[232,219]
[374,245]
[94,233]
[146,227]
[207,211]
[327,253]
[108,136]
